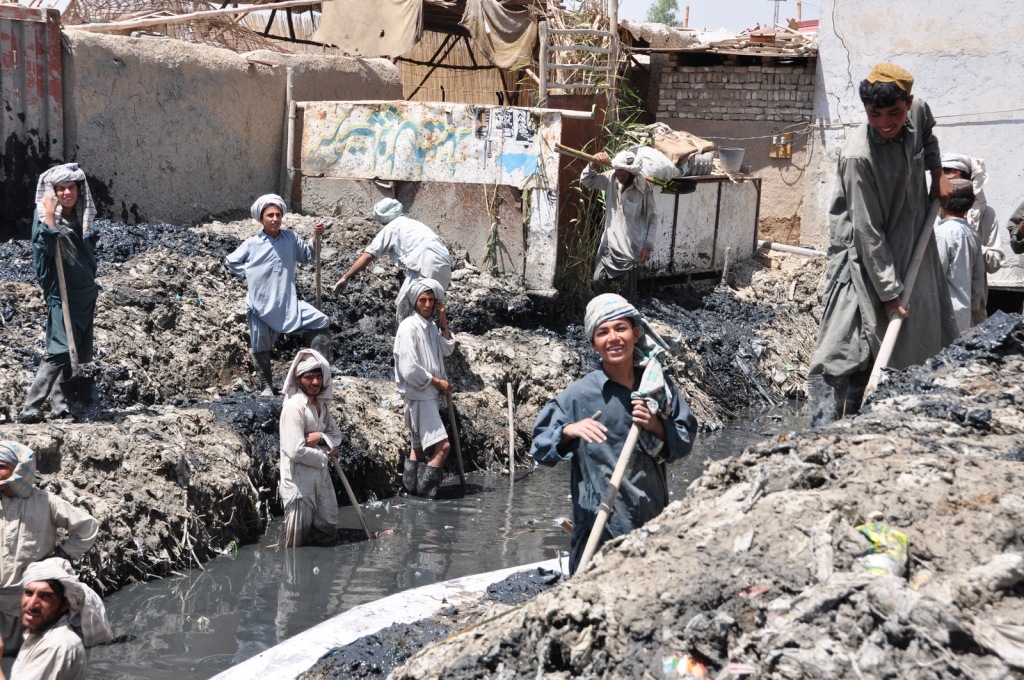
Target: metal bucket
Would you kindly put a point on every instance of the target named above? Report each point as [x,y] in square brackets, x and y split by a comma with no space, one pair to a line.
[731,159]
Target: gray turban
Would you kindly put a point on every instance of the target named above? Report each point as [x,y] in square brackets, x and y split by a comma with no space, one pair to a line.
[62,174]
[264,202]
[386,210]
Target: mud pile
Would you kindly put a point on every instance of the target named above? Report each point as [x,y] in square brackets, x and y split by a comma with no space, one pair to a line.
[760,571]
[178,459]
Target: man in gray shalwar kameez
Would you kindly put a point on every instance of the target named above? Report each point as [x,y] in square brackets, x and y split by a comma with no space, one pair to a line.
[877,215]
[267,261]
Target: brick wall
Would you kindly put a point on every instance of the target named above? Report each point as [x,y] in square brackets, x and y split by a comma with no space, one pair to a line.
[731,92]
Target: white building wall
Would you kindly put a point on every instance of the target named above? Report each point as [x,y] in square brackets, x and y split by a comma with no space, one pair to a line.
[968,64]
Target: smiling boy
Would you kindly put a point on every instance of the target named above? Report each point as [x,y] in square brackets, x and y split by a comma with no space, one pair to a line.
[627,388]
[876,217]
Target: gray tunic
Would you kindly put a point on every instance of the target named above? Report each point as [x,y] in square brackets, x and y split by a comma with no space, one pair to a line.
[630,222]
[877,214]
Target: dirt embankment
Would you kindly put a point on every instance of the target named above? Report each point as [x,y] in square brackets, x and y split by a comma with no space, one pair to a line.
[758,571]
[177,458]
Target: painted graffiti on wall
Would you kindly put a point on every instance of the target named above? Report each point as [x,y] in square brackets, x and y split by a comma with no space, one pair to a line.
[419,141]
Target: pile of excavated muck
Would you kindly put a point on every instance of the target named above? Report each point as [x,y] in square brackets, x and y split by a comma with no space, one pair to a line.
[760,571]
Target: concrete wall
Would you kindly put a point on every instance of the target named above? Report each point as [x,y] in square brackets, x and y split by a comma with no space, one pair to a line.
[742,106]
[175,132]
[966,64]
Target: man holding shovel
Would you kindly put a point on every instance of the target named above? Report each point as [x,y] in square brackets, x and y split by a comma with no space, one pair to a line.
[63,252]
[878,215]
[272,306]
[309,436]
[420,349]
[630,222]
[589,423]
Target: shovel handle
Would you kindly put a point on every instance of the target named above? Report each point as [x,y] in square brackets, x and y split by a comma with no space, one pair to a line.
[455,441]
[351,495]
[69,330]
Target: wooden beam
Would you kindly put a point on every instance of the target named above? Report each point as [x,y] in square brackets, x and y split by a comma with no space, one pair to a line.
[185,18]
[434,68]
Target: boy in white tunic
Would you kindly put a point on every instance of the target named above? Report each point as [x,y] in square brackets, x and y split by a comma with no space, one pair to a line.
[420,349]
[309,434]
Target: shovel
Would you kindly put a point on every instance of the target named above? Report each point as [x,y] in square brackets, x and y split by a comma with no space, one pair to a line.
[455,442]
[77,386]
[351,496]
[608,502]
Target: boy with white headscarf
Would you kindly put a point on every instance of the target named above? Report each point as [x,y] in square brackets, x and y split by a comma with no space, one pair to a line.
[62,617]
[630,222]
[272,306]
[64,211]
[29,520]
[411,244]
[420,349]
[309,434]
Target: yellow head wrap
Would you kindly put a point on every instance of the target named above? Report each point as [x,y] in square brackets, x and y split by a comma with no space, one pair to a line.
[891,73]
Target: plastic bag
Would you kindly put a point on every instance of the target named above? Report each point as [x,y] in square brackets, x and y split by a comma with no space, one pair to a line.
[889,554]
[655,164]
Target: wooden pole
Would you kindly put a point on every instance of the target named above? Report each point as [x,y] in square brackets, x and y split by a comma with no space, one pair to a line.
[542,66]
[114,26]
[511,437]
[351,495]
[316,251]
[608,502]
[455,441]
[613,60]
[65,308]
[686,18]
[892,332]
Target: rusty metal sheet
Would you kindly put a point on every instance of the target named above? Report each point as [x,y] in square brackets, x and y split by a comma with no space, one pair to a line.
[437,142]
[32,118]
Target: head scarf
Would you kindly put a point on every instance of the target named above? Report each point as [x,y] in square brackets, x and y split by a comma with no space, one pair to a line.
[305,361]
[626,160]
[649,354]
[420,286]
[62,174]
[23,479]
[974,168]
[264,202]
[386,210]
[86,614]
[891,73]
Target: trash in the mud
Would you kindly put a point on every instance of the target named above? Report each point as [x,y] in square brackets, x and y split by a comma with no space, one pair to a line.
[681,665]
[754,591]
[889,546]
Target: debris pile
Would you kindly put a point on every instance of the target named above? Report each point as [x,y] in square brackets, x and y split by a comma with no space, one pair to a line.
[760,570]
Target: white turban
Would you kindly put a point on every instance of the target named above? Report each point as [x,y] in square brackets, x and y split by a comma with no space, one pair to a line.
[305,361]
[265,201]
[62,174]
[386,210]
[419,286]
[974,168]
[87,615]
[626,160]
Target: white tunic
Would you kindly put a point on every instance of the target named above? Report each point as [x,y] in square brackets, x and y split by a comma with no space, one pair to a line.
[411,244]
[56,654]
[963,264]
[304,469]
[420,350]
[630,220]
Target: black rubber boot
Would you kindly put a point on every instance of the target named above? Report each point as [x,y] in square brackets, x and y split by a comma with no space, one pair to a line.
[428,479]
[826,397]
[262,361]
[321,342]
[58,405]
[857,383]
[45,382]
[409,474]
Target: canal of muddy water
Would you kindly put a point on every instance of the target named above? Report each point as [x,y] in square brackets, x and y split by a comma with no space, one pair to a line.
[249,600]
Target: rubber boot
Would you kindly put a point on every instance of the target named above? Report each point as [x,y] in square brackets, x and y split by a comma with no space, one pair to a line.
[409,474]
[58,405]
[262,361]
[428,479]
[856,384]
[826,396]
[45,382]
[321,342]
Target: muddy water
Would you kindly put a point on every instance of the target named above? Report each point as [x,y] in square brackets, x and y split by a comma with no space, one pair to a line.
[207,621]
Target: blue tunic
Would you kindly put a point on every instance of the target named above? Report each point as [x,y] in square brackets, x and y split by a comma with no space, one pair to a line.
[643,493]
[268,265]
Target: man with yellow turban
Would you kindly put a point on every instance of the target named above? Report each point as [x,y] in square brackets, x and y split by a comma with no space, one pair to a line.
[876,218]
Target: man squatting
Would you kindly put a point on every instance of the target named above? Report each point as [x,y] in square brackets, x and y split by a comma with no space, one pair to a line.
[628,388]
[875,220]
[267,262]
